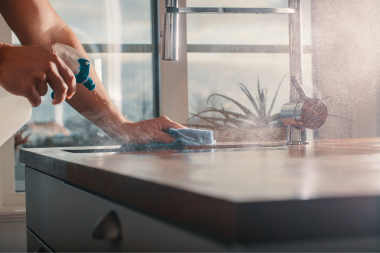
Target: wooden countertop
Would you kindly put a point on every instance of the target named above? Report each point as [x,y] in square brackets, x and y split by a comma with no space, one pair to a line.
[233,193]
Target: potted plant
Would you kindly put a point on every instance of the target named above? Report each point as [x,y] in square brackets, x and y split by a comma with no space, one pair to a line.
[248,125]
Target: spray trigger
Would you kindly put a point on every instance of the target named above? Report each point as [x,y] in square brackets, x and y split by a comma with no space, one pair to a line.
[77,63]
[83,76]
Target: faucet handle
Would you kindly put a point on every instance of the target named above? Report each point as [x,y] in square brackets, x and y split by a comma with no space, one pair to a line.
[305,113]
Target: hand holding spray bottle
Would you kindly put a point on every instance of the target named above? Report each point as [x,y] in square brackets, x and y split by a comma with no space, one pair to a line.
[78,64]
[16,111]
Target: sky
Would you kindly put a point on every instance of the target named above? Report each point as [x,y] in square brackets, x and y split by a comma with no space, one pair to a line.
[128,21]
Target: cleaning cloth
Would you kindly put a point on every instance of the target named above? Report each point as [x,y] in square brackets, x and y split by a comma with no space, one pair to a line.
[192,137]
[185,137]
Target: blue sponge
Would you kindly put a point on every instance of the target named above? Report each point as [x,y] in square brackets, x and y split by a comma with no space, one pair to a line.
[192,137]
[185,137]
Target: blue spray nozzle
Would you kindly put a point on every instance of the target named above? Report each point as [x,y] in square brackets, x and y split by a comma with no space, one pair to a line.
[84,71]
[89,84]
[83,76]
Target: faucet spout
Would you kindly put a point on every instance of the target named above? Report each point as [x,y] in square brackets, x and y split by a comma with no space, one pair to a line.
[170,31]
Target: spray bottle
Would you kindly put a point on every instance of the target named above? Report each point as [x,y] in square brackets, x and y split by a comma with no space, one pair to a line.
[16,111]
[78,64]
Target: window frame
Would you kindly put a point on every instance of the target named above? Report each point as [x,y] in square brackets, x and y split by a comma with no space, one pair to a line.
[8,195]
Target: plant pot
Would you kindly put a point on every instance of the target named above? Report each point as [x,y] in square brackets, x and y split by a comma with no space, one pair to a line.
[257,134]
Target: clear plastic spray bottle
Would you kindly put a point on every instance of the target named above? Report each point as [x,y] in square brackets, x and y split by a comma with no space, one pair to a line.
[78,64]
[16,111]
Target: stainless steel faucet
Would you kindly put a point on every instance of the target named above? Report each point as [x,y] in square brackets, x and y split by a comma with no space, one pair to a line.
[305,112]
[301,112]
[170,33]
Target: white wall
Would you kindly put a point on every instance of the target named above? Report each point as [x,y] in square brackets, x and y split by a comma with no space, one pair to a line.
[346,64]
[6,37]
[12,233]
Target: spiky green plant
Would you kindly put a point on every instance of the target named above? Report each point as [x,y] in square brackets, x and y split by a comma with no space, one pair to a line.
[222,119]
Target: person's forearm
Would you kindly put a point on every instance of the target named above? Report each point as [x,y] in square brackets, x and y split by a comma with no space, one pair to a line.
[36,23]
[96,105]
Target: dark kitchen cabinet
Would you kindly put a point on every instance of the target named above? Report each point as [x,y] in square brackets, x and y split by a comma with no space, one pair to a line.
[69,219]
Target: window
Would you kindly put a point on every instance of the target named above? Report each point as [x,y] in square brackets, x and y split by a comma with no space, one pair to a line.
[118,37]
[227,49]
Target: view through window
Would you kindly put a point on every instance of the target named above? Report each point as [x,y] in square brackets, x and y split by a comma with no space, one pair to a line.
[117,36]
[228,50]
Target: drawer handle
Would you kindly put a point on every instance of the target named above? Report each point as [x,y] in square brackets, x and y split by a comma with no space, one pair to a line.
[107,228]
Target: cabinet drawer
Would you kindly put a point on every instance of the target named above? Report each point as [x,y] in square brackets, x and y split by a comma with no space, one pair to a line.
[64,217]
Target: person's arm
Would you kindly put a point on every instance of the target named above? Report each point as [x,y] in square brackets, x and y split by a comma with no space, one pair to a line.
[36,23]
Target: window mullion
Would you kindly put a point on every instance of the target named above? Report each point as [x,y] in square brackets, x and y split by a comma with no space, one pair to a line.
[155,23]
[174,88]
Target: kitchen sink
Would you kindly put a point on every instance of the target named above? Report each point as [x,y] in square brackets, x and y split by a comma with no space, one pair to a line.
[139,148]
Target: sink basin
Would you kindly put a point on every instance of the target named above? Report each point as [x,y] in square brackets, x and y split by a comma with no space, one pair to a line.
[221,145]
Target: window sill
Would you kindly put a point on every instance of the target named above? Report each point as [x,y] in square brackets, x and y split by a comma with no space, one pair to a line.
[16,199]
[12,213]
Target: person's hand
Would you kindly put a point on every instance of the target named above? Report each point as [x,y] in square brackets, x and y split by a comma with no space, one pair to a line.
[146,131]
[26,71]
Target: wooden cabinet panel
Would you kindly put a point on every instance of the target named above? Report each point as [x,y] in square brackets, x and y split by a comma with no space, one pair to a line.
[65,217]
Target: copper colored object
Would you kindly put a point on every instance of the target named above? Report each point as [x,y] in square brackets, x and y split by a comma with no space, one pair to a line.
[305,113]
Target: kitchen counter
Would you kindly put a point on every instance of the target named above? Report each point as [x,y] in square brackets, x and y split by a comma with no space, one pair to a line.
[234,193]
